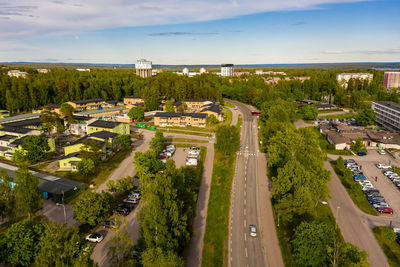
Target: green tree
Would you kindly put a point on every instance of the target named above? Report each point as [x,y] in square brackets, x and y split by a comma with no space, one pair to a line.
[182,108]
[86,166]
[35,147]
[22,240]
[18,157]
[92,149]
[351,256]
[228,139]
[28,198]
[91,208]
[68,113]
[154,257]
[169,106]
[358,145]
[366,117]
[7,197]
[136,113]
[61,245]
[50,120]
[147,163]
[309,112]
[121,185]
[124,141]
[157,143]
[212,119]
[310,243]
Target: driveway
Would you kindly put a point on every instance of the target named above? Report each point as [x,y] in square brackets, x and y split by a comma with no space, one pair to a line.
[56,213]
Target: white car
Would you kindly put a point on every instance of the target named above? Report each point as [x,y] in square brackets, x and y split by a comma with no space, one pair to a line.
[380,205]
[194,152]
[191,162]
[381,152]
[95,238]
[253,230]
[383,166]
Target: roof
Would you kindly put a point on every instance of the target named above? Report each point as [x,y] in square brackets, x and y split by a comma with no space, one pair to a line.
[103,135]
[168,114]
[28,122]
[19,117]
[133,97]
[81,118]
[97,111]
[198,100]
[7,137]
[389,104]
[51,106]
[336,137]
[112,101]
[213,108]
[18,142]
[105,124]
[324,105]
[82,139]
[196,115]
[87,101]
[177,103]
[75,154]
[3,148]
[17,130]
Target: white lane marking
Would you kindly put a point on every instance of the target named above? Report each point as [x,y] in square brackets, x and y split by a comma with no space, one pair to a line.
[245,237]
[244,192]
[245,185]
[245,223]
[246,251]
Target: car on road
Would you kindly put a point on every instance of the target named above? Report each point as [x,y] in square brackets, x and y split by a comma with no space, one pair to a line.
[381,152]
[383,166]
[94,238]
[362,154]
[385,210]
[253,230]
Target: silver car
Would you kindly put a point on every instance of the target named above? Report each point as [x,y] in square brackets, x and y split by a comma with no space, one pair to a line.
[253,230]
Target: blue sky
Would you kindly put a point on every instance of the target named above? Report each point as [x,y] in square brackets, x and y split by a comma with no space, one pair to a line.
[200,32]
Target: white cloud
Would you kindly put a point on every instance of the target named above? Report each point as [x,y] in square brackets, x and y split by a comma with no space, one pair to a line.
[33,17]
[364,52]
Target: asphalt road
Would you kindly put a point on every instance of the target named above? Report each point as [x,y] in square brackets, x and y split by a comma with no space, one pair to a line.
[246,199]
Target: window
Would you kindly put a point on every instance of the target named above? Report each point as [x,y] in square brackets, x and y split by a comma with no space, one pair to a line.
[65,164]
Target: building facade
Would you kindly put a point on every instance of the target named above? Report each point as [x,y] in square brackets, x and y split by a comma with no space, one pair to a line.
[391,79]
[387,114]
[168,119]
[226,70]
[344,78]
[144,68]
[17,73]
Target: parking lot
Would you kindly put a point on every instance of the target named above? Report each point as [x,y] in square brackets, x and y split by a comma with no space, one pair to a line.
[386,187]
[180,157]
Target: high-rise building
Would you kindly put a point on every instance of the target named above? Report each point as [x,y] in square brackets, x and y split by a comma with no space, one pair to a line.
[143,68]
[227,70]
[387,114]
[391,79]
[344,78]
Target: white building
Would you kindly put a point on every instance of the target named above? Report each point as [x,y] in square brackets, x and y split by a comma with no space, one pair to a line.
[185,71]
[17,73]
[202,70]
[226,70]
[43,70]
[387,114]
[144,68]
[80,69]
[343,78]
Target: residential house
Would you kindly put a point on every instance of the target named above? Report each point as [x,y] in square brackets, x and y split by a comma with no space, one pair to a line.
[133,100]
[110,126]
[69,162]
[215,110]
[166,119]
[79,127]
[75,146]
[81,105]
[53,107]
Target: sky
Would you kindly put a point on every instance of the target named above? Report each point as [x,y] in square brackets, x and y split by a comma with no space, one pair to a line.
[193,32]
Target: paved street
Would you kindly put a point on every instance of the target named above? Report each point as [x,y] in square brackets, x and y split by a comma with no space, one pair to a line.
[246,207]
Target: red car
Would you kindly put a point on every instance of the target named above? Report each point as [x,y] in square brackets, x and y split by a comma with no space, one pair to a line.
[385,210]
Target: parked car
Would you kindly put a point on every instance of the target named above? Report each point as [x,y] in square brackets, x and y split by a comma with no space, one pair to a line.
[193,152]
[385,210]
[349,161]
[131,200]
[110,224]
[196,148]
[95,237]
[253,230]
[359,177]
[381,152]
[361,154]
[380,205]
[383,166]
[128,206]
[191,162]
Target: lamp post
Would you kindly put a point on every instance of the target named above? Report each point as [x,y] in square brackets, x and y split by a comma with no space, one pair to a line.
[337,216]
[65,215]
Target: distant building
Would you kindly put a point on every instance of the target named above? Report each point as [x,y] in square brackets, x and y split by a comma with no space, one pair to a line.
[144,68]
[88,70]
[133,100]
[185,71]
[387,114]
[80,105]
[343,78]
[154,72]
[391,80]
[17,73]
[202,70]
[226,70]
[43,70]
[240,73]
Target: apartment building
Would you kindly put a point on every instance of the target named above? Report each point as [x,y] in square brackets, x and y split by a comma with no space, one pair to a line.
[387,114]
[391,79]
[194,103]
[344,78]
[133,100]
[80,105]
[17,73]
[167,119]
[226,70]
[144,68]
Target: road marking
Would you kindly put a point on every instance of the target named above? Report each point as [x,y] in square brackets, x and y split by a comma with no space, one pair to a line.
[245,185]
[244,192]
[245,237]
[245,223]
[246,251]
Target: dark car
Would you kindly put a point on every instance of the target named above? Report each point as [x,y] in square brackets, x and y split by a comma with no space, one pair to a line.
[123,211]
[128,206]
[110,224]
[361,154]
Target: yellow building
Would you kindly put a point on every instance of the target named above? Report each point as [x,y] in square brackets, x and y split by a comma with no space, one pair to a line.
[215,110]
[133,100]
[168,119]
[94,103]
[197,103]
[109,126]
[69,162]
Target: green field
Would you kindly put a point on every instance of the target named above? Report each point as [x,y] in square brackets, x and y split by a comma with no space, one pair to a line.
[329,111]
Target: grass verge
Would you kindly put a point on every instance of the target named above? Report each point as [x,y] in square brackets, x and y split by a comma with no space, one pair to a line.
[355,191]
[229,105]
[389,247]
[329,111]
[216,235]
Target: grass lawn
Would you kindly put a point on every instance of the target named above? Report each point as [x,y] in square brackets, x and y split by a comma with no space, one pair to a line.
[339,116]
[216,236]
[240,121]
[188,140]
[355,192]
[103,170]
[229,105]
[329,111]
[329,148]
[389,247]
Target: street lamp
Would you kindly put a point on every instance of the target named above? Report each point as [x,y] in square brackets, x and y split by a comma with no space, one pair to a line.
[337,216]
[65,215]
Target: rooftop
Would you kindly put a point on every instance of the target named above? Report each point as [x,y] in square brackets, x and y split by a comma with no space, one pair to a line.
[103,135]
[389,104]
[96,111]
[105,124]
[87,101]
[196,115]
[29,122]
[17,130]
[19,117]
[168,114]
[7,137]
[213,108]
[133,97]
